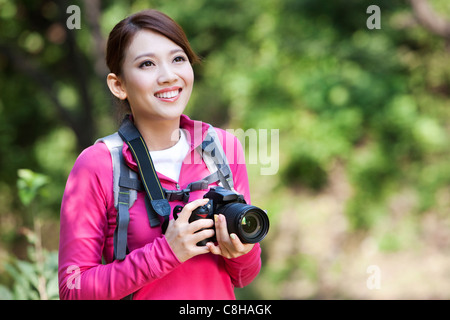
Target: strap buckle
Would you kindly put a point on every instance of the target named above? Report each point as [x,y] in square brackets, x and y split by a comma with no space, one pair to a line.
[178,195]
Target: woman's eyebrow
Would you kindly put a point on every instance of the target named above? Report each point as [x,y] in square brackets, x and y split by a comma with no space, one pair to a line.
[150,54]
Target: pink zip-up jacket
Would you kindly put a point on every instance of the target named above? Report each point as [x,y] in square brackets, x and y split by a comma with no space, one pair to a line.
[151,270]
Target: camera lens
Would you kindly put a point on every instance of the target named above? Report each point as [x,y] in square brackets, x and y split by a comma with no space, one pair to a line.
[249,223]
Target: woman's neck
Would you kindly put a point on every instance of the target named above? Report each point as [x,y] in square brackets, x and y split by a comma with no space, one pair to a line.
[159,135]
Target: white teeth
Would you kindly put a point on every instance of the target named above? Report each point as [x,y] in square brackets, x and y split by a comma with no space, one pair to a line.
[167,95]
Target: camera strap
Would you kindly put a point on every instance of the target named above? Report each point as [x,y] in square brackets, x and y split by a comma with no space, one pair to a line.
[156,202]
[126,183]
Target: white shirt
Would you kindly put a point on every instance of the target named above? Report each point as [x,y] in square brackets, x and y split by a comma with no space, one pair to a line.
[169,161]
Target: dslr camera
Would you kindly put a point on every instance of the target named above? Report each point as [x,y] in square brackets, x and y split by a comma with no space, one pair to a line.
[248,222]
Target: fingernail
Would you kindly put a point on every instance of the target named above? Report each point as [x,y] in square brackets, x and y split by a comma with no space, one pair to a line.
[216,218]
[233,236]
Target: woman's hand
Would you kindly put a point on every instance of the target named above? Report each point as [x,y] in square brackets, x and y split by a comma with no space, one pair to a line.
[182,236]
[229,245]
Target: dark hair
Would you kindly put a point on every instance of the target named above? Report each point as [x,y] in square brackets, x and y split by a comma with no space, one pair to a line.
[121,35]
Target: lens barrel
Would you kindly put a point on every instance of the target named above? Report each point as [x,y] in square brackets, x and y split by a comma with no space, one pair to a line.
[249,223]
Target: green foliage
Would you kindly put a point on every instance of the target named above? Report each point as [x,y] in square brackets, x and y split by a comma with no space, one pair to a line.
[32,279]
[29,184]
[35,278]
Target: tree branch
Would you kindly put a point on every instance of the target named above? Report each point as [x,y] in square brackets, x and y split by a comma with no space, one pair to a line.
[429,19]
[93,12]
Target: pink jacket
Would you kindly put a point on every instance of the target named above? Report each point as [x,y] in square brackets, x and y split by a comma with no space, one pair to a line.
[150,270]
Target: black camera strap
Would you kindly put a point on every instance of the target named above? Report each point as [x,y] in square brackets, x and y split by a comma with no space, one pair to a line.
[156,202]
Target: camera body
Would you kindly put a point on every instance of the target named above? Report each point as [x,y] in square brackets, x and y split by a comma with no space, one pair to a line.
[248,222]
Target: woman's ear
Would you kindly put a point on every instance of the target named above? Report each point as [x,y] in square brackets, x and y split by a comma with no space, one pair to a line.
[116,86]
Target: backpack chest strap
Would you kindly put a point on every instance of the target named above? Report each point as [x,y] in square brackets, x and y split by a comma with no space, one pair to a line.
[175,195]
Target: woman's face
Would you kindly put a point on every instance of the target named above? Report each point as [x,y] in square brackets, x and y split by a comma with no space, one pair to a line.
[157,77]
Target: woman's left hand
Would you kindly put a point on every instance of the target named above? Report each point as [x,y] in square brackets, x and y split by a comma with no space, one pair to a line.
[229,245]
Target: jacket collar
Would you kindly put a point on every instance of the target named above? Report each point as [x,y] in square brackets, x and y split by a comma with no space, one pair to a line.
[195,133]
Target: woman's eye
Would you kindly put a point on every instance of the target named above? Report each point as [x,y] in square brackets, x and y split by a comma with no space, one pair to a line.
[146,64]
[179,59]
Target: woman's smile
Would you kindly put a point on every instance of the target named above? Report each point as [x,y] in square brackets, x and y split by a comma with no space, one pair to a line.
[169,94]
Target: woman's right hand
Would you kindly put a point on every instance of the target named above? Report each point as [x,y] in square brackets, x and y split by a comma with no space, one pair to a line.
[182,236]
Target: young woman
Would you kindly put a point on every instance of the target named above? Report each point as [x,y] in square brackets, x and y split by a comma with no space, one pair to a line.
[150,61]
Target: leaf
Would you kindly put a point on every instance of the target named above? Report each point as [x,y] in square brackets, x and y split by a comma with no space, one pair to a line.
[5,293]
[28,272]
[29,184]
[53,288]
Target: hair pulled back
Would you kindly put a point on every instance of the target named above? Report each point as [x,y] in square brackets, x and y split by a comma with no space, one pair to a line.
[121,35]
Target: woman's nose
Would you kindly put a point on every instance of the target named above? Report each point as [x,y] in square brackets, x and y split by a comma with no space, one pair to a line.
[166,74]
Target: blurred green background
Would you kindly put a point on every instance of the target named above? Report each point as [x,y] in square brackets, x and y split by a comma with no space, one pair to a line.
[363,118]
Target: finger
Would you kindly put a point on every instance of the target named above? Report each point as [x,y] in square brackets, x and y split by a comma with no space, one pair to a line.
[202,235]
[199,250]
[200,224]
[222,236]
[185,214]
[237,244]
[214,249]
[222,231]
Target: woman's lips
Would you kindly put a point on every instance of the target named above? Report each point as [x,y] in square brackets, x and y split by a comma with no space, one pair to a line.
[168,94]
